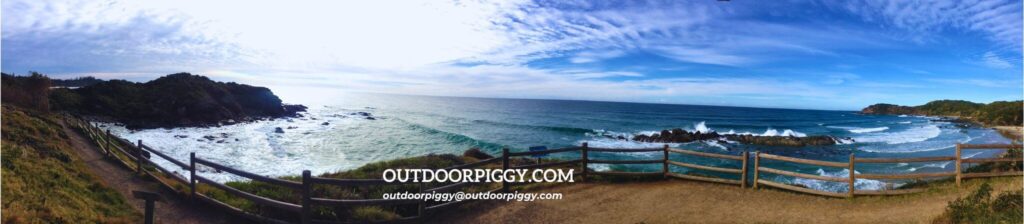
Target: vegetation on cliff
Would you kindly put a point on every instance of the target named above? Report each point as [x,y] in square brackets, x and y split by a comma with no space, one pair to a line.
[43,179]
[995,113]
[176,100]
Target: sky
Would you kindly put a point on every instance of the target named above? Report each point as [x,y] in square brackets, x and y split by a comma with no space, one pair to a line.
[835,55]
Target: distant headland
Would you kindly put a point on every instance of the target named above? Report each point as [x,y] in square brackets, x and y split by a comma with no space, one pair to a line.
[999,113]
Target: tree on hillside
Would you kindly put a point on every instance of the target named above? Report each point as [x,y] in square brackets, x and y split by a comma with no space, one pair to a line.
[31,92]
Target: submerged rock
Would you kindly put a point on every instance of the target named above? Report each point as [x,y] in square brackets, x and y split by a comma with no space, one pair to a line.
[279,130]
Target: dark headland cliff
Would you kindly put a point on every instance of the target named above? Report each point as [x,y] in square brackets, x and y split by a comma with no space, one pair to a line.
[175,100]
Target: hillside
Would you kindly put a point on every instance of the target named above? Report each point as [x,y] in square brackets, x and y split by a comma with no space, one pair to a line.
[176,100]
[44,181]
[992,114]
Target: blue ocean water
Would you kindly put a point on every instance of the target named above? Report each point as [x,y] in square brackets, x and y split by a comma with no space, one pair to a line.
[333,136]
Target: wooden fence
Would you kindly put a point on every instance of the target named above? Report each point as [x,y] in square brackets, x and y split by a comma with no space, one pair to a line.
[138,156]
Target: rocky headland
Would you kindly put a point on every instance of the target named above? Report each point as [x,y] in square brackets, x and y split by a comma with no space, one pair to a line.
[176,100]
[998,113]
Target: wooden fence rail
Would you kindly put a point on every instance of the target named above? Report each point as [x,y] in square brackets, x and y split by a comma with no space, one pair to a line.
[137,156]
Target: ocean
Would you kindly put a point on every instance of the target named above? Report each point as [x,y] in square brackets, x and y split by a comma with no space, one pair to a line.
[351,130]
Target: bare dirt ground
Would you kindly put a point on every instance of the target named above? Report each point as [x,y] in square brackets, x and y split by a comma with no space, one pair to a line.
[697,202]
[173,208]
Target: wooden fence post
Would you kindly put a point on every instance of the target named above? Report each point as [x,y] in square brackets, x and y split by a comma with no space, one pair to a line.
[108,142]
[958,158]
[757,164]
[192,173]
[584,160]
[307,191]
[138,157]
[421,210]
[504,166]
[743,177]
[664,164]
[853,180]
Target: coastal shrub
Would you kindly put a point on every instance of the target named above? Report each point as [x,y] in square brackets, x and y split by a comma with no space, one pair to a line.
[43,180]
[979,207]
[30,92]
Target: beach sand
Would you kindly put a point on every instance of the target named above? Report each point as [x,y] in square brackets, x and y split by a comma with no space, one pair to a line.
[1014,133]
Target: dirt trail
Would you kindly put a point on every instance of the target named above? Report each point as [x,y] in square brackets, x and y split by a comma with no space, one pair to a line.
[697,202]
[172,209]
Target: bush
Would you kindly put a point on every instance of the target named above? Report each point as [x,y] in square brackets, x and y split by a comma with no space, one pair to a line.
[978,207]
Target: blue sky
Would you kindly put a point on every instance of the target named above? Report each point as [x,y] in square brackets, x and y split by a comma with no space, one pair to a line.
[788,54]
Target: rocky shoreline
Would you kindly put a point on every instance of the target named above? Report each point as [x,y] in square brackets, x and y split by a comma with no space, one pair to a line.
[682,136]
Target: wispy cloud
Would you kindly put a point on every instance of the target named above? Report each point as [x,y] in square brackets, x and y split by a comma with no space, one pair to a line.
[998,20]
[992,60]
[977,82]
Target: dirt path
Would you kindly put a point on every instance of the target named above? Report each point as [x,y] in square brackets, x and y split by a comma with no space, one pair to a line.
[173,208]
[697,202]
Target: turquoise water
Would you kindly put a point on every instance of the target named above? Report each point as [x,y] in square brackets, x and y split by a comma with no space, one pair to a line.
[406,126]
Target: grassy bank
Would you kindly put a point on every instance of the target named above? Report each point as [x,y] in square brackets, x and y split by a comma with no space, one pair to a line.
[45,182]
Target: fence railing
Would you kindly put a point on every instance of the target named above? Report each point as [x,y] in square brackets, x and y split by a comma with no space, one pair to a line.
[138,156]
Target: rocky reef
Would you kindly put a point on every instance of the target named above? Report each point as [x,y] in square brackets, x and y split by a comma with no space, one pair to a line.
[682,136]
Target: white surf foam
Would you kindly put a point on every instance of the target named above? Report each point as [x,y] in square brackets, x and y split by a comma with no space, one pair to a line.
[869,130]
[701,127]
[786,132]
[859,184]
[859,129]
[914,134]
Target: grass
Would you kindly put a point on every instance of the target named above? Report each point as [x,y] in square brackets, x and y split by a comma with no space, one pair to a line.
[45,182]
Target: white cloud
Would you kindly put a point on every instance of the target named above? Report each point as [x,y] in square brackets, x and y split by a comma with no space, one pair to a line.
[593,56]
[992,60]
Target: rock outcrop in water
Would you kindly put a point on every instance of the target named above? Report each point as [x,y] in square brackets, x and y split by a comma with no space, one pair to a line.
[682,136]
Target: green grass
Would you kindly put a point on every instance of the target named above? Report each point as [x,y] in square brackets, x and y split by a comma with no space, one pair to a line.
[45,182]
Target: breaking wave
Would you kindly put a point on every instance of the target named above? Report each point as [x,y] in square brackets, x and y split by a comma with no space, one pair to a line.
[830,186]
[915,134]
